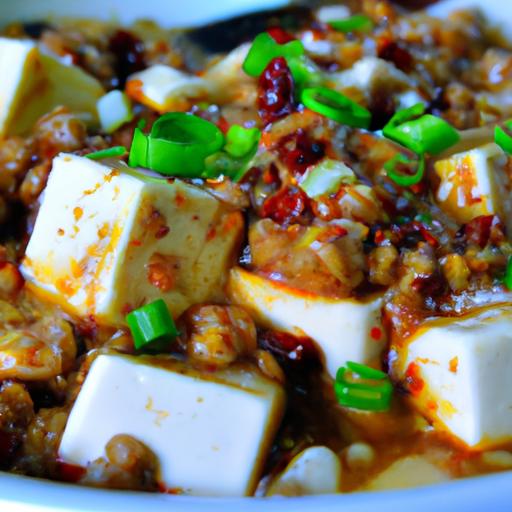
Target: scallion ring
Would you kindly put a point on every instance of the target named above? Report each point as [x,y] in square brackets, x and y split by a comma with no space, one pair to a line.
[503,136]
[177,145]
[401,179]
[419,132]
[336,106]
[360,387]
[265,48]
[356,23]
[112,152]
[507,280]
[241,141]
[152,327]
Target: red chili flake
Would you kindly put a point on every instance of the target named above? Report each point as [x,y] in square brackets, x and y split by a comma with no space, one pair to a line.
[478,230]
[179,199]
[270,175]
[211,234]
[135,243]
[129,53]
[428,237]
[331,233]
[275,91]
[70,472]
[298,151]
[412,377]
[394,52]
[379,236]
[287,204]
[376,333]
[161,232]
[161,271]
[127,308]
[432,405]
[169,490]
[288,346]
[223,125]
[280,35]
[454,364]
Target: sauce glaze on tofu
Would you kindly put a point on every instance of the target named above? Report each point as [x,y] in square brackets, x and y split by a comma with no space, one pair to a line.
[270,256]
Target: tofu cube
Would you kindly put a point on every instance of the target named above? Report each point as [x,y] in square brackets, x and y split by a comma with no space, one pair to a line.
[163,88]
[33,83]
[412,471]
[108,239]
[475,183]
[315,470]
[370,74]
[343,329]
[211,434]
[458,373]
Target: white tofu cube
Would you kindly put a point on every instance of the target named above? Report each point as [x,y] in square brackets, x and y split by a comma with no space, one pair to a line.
[163,88]
[108,239]
[458,373]
[475,183]
[33,83]
[315,470]
[412,471]
[370,74]
[343,329]
[210,433]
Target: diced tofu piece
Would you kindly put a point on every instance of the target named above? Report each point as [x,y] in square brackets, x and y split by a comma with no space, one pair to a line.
[211,434]
[413,471]
[328,13]
[371,74]
[458,373]
[114,110]
[164,88]
[474,183]
[108,239]
[316,470]
[33,83]
[344,329]
[227,81]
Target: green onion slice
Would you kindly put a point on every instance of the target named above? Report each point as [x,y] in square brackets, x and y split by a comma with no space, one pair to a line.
[177,145]
[152,327]
[356,23]
[326,178]
[305,73]
[360,387]
[336,106]
[241,141]
[112,152]
[507,280]
[401,179]
[264,48]
[503,136]
[419,132]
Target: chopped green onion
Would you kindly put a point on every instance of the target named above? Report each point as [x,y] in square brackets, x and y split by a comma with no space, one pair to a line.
[152,326]
[358,22]
[114,110]
[507,280]
[177,145]
[425,218]
[242,141]
[264,48]
[503,136]
[401,179]
[419,132]
[107,153]
[360,387]
[305,73]
[334,105]
[326,178]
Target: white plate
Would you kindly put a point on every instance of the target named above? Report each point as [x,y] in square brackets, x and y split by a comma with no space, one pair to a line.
[20,494]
